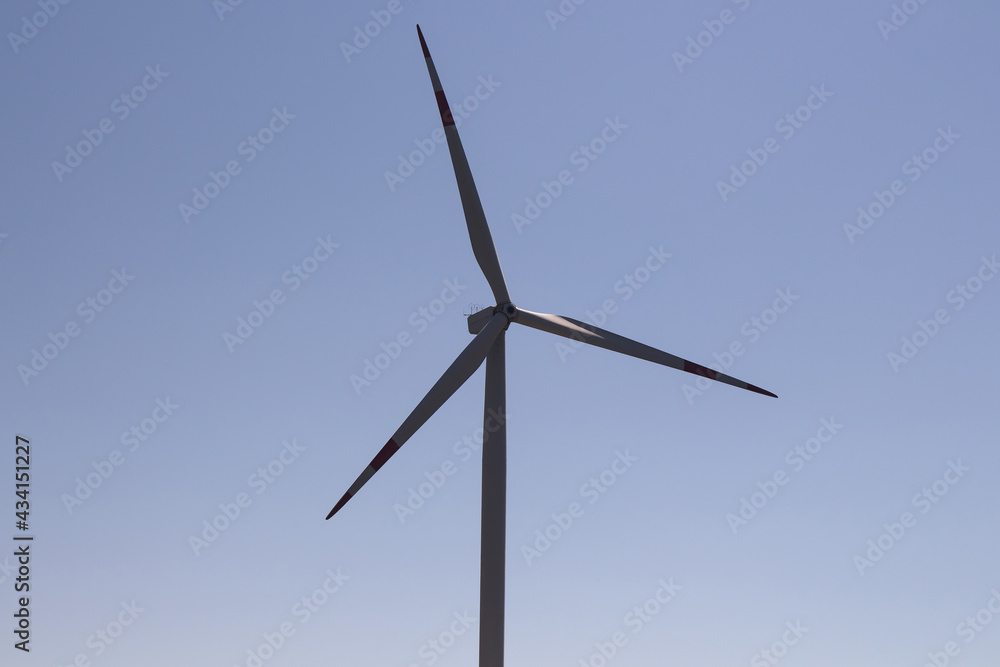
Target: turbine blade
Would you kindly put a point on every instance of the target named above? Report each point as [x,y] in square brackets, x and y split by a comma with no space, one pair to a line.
[460,370]
[586,333]
[475,218]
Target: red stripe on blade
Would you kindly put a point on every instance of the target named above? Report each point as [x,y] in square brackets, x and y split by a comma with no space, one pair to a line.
[340,503]
[445,110]
[423,44]
[757,389]
[698,369]
[388,450]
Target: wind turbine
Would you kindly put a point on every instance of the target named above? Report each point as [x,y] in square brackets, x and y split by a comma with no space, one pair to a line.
[489,326]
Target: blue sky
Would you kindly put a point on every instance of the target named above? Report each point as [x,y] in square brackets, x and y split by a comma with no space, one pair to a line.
[179,178]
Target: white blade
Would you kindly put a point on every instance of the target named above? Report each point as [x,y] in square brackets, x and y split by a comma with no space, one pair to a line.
[475,218]
[586,333]
[460,370]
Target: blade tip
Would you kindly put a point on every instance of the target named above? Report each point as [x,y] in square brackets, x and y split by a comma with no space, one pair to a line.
[761,391]
[423,44]
[340,503]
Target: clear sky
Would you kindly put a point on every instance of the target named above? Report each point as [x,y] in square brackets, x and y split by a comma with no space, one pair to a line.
[215,215]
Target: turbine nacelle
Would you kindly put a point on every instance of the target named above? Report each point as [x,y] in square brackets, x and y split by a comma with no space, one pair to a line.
[478,320]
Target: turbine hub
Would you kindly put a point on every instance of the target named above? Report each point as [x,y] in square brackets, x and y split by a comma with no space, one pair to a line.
[478,320]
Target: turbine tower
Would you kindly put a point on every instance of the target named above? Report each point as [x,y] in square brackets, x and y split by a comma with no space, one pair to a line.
[489,326]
